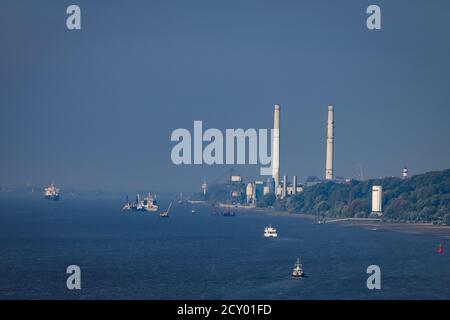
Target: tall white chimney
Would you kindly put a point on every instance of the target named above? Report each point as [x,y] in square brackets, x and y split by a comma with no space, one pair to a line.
[276,146]
[330,145]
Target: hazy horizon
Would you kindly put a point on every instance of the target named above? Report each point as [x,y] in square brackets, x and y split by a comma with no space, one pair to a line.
[94,109]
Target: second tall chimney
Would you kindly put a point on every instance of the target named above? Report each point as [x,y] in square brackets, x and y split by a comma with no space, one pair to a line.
[276,146]
[330,145]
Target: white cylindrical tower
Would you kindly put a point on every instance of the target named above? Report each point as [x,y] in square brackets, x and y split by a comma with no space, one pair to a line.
[377,200]
[276,146]
[330,145]
[249,193]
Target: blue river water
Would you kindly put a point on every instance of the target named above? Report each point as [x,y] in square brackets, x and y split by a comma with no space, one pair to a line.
[137,255]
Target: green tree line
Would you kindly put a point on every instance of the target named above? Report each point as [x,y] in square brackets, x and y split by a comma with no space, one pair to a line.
[424,197]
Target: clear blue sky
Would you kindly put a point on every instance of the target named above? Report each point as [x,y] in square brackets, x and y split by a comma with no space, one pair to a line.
[95,108]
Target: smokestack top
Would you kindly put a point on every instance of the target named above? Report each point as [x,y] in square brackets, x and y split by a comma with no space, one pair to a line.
[277,107]
[330,108]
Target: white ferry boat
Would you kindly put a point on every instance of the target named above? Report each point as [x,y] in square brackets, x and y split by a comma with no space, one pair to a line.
[270,232]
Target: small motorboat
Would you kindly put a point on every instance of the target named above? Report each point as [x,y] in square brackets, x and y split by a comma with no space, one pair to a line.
[297,272]
[165,214]
[127,205]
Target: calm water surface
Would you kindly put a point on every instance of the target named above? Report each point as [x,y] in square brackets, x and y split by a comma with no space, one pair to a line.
[201,256]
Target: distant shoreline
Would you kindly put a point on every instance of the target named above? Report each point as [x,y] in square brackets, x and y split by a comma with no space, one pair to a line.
[403,227]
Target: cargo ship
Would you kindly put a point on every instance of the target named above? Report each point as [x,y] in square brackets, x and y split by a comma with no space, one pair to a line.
[51,193]
[148,203]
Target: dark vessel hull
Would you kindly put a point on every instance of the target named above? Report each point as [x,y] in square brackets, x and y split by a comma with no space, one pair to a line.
[54,198]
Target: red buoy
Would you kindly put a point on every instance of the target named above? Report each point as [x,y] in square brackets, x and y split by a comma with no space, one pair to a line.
[440,248]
